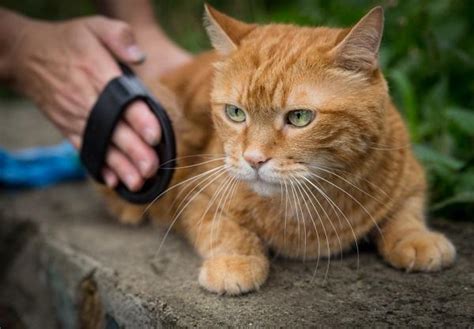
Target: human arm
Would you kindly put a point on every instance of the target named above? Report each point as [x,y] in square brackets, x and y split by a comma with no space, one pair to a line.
[163,54]
[63,67]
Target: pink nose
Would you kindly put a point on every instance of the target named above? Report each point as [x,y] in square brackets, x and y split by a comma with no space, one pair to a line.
[255,158]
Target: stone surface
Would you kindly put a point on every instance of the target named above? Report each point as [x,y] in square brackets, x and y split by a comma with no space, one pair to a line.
[65,261]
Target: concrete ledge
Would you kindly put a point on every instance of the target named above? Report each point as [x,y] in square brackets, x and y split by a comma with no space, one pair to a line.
[65,261]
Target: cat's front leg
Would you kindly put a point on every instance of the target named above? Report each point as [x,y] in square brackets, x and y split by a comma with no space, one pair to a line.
[406,243]
[235,259]
[125,212]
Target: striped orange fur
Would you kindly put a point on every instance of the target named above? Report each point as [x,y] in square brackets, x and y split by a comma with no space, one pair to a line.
[350,173]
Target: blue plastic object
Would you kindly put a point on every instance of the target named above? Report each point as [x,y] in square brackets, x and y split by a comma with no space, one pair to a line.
[40,166]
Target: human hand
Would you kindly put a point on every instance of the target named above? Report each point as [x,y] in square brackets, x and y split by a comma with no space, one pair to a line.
[64,66]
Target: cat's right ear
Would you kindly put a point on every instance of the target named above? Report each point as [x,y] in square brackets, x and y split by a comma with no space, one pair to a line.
[225,32]
[359,49]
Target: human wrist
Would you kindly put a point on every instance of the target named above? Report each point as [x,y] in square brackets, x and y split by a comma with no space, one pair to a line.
[163,54]
[12,30]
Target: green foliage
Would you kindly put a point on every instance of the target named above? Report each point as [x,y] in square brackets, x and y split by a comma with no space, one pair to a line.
[427,57]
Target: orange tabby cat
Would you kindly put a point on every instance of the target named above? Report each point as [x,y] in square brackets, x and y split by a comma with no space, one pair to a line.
[288,140]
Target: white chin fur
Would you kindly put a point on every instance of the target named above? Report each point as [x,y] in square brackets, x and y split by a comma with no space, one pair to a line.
[264,189]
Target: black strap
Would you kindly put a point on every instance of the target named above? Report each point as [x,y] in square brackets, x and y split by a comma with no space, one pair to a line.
[103,119]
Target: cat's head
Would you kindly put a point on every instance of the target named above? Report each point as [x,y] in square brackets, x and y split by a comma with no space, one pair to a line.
[287,99]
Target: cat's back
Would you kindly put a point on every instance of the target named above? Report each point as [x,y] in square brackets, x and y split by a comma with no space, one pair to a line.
[191,84]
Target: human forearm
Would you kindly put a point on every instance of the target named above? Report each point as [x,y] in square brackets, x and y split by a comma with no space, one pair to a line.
[62,66]
[163,54]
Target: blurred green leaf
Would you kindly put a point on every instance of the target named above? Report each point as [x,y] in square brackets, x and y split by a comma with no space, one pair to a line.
[433,158]
[403,85]
[463,197]
[463,118]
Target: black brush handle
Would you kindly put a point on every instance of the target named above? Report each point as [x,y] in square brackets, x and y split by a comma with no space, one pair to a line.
[103,119]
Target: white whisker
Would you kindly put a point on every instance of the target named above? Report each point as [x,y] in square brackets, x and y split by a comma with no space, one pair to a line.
[306,189]
[286,214]
[204,155]
[316,231]
[351,184]
[189,180]
[223,196]
[374,186]
[335,206]
[303,218]
[209,205]
[327,215]
[198,164]
[215,175]
[354,199]
[222,169]
[296,207]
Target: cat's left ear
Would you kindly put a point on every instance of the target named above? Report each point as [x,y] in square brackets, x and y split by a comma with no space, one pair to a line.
[225,32]
[359,49]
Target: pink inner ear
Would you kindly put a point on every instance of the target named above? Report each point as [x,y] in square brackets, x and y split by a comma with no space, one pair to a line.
[359,49]
[225,32]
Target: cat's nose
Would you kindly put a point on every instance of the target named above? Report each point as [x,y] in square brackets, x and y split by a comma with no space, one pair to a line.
[255,158]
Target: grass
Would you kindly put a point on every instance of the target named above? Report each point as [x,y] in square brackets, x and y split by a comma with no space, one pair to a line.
[427,57]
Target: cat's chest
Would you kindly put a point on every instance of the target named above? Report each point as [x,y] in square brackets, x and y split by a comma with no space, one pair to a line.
[296,228]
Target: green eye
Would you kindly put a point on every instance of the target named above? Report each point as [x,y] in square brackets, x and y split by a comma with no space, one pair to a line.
[300,118]
[234,113]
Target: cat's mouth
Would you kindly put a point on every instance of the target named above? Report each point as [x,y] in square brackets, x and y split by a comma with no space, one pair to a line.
[266,174]
[261,180]
[264,183]
[264,188]
[255,176]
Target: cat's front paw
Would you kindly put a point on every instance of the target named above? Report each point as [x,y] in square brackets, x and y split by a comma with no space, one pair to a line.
[233,274]
[423,251]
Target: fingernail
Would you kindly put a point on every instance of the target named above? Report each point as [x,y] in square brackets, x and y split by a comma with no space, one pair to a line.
[131,182]
[136,54]
[109,180]
[151,136]
[144,167]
